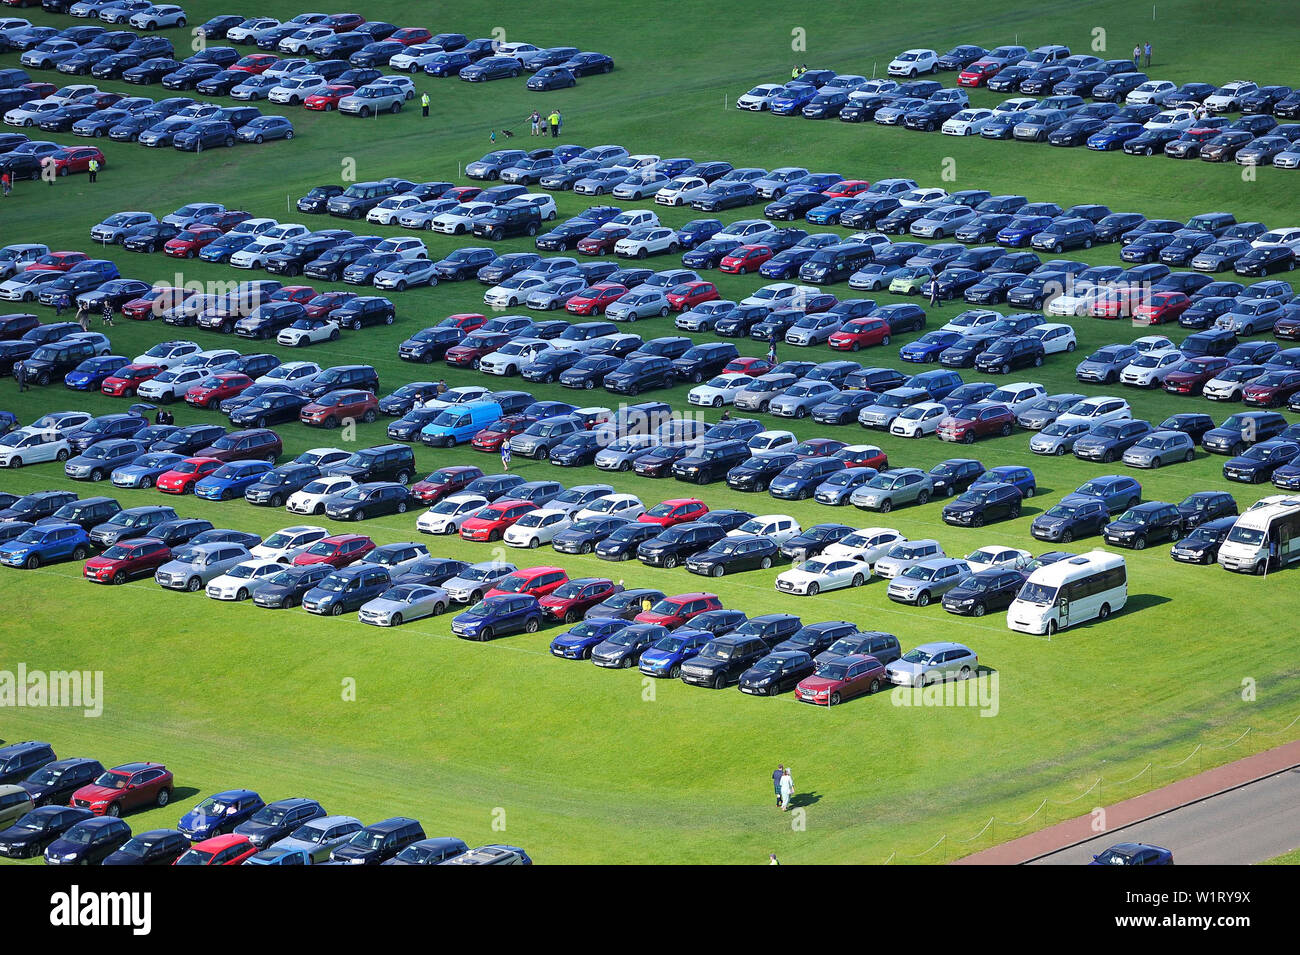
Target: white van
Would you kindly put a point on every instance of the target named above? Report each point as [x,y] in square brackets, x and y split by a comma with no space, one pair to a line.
[1263,539]
[1077,589]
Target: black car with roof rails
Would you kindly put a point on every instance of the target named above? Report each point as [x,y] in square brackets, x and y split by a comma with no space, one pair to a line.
[189,439]
[180,531]
[1145,524]
[876,643]
[711,462]
[756,472]
[704,361]
[85,512]
[32,507]
[20,760]
[1202,506]
[985,590]
[376,843]
[130,523]
[815,638]
[673,545]
[811,541]
[37,829]
[721,661]
[55,782]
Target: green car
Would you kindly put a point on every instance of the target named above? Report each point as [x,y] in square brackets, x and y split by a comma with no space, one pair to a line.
[15,802]
[910,280]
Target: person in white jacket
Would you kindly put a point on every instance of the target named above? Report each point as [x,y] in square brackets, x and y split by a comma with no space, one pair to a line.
[787,789]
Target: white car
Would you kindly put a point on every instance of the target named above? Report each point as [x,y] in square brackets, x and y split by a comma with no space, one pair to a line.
[514,290]
[256,253]
[747,231]
[1153,343]
[776,527]
[460,220]
[387,212]
[1289,237]
[912,63]
[613,505]
[171,384]
[512,356]
[308,331]
[243,32]
[918,420]
[403,247]
[642,302]
[718,391]
[1077,302]
[968,122]
[993,556]
[295,88]
[1095,411]
[638,161]
[323,457]
[1149,369]
[288,542]
[416,58]
[1018,395]
[313,498]
[970,320]
[921,196]
[1227,98]
[32,446]
[760,97]
[298,42]
[209,358]
[768,442]
[243,580]
[537,527]
[1171,119]
[31,113]
[450,513]
[457,396]
[288,372]
[635,219]
[515,51]
[157,17]
[780,295]
[681,191]
[904,554]
[167,354]
[823,573]
[867,545]
[1055,336]
[648,241]
[544,204]
[1152,91]
[257,226]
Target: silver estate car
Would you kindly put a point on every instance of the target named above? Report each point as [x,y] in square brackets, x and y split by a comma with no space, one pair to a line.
[924,581]
[933,663]
[889,489]
[192,567]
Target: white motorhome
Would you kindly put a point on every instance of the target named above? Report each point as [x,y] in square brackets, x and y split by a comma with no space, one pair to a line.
[1263,539]
[1091,586]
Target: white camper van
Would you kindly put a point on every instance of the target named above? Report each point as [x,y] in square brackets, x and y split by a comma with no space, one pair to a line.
[1264,538]
[1091,586]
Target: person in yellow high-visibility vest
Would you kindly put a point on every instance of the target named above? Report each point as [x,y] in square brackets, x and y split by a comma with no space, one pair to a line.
[424,105]
[93,169]
[554,122]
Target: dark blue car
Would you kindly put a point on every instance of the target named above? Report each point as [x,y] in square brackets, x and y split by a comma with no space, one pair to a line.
[497,616]
[89,842]
[697,231]
[1021,477]
[90,374]
[219,814]
[1261,461]
[576,644]
[231,480]
[665,656]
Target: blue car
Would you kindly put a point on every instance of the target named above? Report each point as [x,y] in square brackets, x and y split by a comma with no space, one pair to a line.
[99,460]
[1261,461]
[1113,136]
[828,213]
[231,480]
[665,656]
[262,128]
[709,253]
[929,346]
[785,264]
[1021,477]
[1134,853]
[576,644]
[220,250]
[839,487]
[1117,491]
[219,814]
[497,616]
[143,472]
[90,374]
[697,231]
[89,842]
[280,856]
[1021,229]
[791,100]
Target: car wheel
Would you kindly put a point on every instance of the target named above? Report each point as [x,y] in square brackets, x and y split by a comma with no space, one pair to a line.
[814,589]
[193,584]
[1140,543]
[886,506]
[923,598]
[113,810]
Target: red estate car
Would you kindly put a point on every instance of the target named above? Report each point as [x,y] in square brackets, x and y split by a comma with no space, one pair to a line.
[603,240]
[466,321]
[1271,389]
[745,365]
[594,300]
[689,294]
[409,36]
[978,73]
[191,241]
[842,678]
[860,333]
[126,787]
[678,510]
[1161,307]
[75,159]
[817,448]
[530,581]
[491,522]
[979,420]
[230,849]
[445,482]
[252,444]
[745,258]
[672,612]
[863,456]
[335,407]
[847,189]
[182,478]
[326,302]
[255,64]
[503,429]
[328,98]
[215,389]
[474,348]
[124,382]
[158,299]
[131,558]
[1190,377]
[337,551]
[225,221]
[570,601]
[57,262]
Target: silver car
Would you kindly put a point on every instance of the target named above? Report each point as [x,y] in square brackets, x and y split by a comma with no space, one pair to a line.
[469,586]
[404,602]
[758,394]
[933,663]
[904,554]
[640,303]
[319,837]
[891,488]
[1058,437]
[372,99]
[1161,448]
[192,567]
[620,455]
[927,579]
[407,273]
[800,398]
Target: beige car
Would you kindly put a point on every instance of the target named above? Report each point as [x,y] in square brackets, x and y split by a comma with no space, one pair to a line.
[14,804]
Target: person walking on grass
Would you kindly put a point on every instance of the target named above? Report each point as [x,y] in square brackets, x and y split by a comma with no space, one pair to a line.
[7,184]
[771,859]
[20,376]
[505,456]
[936,300]
[1146,52]
[787,790]
[424,105]
[776,782]
[1137,56]
[92,170]
[554,122]
[108,314]
[536,120]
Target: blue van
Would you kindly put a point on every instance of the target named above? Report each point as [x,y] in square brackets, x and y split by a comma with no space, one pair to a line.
[460,423]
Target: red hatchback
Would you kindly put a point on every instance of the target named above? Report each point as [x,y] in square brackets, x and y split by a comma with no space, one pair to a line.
[1117,303]
[745,258]
[980,420]
[124,382]
[860,333]
[1161,307]
[595,300]
[503,429]
[57,262]
[409,36]
[156,300]
[192,241]
[302,294]
[530,581]
[466,321]
[675,511]
[182,478]
[445,482]
[842,678]
[570,601]
[126,787]
[328,98]
[230,849]
[863,456]
[847,188]
[255,64]
[978,73]
[603,240]
[689,294]
[76,159]
[337,551]
[676,610]
[129,559]
[338,407]
[474,348]
[491,522]
[326,302]
[746,365]
[215,389]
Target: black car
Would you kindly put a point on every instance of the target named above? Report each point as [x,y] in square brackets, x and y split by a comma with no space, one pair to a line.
[32,507]
[778,672]
[286,587]
[981,505]
[1203,506]
[954,476]
[1201,546]
[153,847]
[711,462]
[582,536]
[623,543]
[1193,423]
[704,361]
[1074,517]
[675,545]
[742,552]
[54,783]
[1143,524]
[85,512]
[723,660]
[984,591]
[29,836]
[756,472]
[577,450]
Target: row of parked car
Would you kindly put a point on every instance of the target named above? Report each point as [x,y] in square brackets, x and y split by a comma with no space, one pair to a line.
[69,812]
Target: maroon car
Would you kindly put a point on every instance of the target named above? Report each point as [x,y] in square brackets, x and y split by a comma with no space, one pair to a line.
[676,610]
[474,348]
[1189,378]
[445,482]
[980,420]
[575,597]
[1271,389]
[326,302]
[255,444]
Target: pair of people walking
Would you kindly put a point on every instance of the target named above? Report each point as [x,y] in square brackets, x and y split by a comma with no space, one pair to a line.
[1142,51]
[782,786]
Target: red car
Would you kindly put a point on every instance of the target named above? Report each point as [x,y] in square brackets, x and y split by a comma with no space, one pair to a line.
[100,100]
[978,73]
[674,611]
[745,258]
[38,90]
[182,478]
[847,188]
[817,448]
[530,581]
[124,382]
[475,347]
[466,321]
[603,240]
[126,787]
[57,262]
[210,392]
[131,558]
[491,522]
[445,482]
[151,303]
[251,444]
[255,64]
[979,420]
[678,510]
[302,294]
[225,221]
[503,429]
[689,294]
[1117,303]
[409,36]
[842,678]
[328,98]
[343,22]
[337,551]
[75,159]
[745,365]
[863,456]
[338,407]
[569,602]
[462,193]
[230,849]
[191,241]
[860,333]
[1190,377]
[1271,389]
[326,302]
[1161,307]
[594,300]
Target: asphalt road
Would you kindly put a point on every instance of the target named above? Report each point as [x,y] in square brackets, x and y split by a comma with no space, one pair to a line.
[1246,825]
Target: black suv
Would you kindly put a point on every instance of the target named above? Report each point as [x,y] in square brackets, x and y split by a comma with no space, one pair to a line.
[1144,524]
[365,310]
[296,253]
[86,512]
[54,783]
[56,359]
[335,377]
[20,760]
[723,660]
[373,844]
[641,373]
[386,462]
[359,198]
[675,544]
[711,462]
[505,221]
[704,361]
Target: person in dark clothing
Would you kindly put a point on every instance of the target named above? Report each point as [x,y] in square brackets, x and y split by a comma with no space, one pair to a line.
[776,782]
[62,303]
[20,376]
[108,314]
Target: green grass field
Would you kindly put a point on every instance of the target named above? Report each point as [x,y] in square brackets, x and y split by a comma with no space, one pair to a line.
[501,742]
